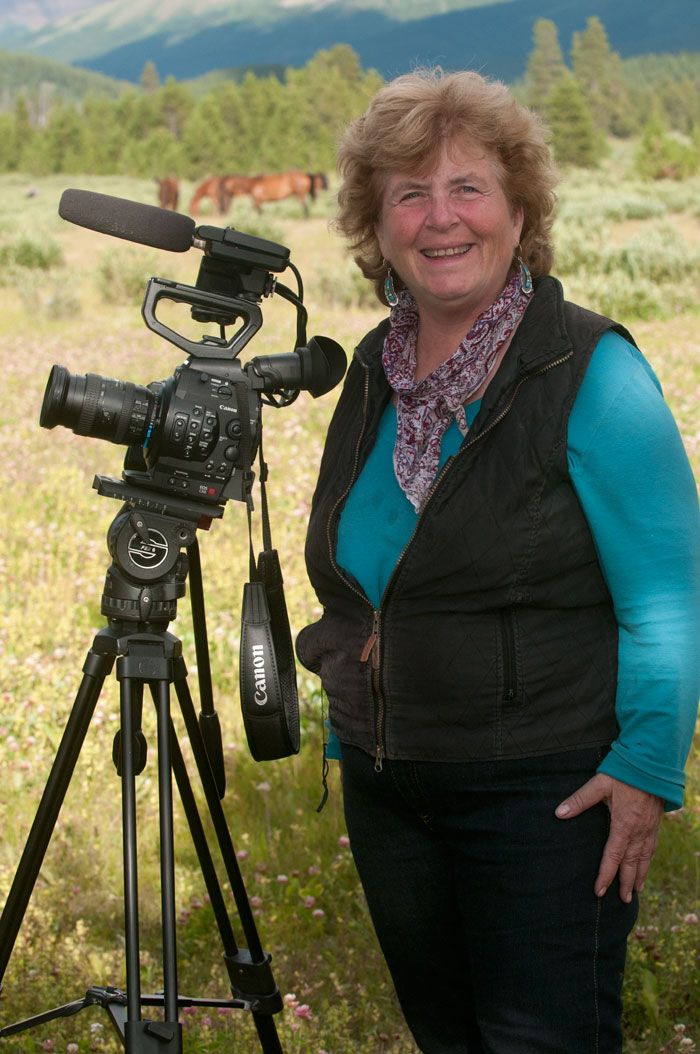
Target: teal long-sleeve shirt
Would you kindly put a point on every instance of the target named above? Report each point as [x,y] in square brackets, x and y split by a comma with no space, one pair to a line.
[633,479]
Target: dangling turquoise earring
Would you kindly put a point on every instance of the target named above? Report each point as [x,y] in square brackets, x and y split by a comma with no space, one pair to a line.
[525,276]
[389,291]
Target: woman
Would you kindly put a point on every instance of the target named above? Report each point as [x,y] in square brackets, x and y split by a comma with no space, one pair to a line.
[505,541]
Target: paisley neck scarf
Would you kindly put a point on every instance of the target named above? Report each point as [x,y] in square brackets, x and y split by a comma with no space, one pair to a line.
[427,408]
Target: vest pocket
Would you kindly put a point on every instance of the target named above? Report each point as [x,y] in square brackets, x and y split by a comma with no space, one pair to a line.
[512,693]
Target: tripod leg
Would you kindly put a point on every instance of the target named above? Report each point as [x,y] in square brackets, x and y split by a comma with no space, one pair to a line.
[95,669]
[130,698]
[144,1037]
[167,853]
[249,971]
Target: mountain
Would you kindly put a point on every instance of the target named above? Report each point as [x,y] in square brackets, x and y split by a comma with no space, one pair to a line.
[118,37]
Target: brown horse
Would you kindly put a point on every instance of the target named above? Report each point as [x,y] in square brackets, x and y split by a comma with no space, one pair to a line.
[221,190]
[231,186]
[209,188]
[286,185]
[168,192]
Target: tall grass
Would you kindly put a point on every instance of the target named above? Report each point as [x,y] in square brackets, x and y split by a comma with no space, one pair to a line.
[630,250]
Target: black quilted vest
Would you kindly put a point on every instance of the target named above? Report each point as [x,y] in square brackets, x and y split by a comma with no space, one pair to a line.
[496,636]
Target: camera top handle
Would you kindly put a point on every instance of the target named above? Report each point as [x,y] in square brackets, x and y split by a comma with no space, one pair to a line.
[234,276]
[218,308]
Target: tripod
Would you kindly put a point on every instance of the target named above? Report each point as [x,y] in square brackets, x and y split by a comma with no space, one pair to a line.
[142,585]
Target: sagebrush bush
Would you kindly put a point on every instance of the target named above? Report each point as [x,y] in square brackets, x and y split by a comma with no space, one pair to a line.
[122,275]
[23,254]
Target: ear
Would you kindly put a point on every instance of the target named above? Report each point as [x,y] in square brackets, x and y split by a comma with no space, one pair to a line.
[379,237]
[518,220]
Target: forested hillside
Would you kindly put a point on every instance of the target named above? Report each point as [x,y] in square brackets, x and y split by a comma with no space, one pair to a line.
[269,121]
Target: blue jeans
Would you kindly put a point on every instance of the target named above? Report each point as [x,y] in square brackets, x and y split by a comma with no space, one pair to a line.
[483,902]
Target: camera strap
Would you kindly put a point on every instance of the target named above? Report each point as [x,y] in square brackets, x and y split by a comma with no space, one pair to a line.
[267,671]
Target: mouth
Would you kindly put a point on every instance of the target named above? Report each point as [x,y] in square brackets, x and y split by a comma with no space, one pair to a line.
[457,250]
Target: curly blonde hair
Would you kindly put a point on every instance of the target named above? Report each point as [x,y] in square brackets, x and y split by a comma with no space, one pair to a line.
[404,129]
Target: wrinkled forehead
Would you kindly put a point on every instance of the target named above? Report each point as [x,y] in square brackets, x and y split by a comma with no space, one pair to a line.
[461,151]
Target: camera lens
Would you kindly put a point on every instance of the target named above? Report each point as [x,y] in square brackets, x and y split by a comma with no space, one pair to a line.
[96,406]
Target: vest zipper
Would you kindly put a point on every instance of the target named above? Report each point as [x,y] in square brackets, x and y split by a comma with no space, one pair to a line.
[371,649]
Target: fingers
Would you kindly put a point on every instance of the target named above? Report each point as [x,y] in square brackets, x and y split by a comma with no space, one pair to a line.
[597,789]
[634,823]
[628,854]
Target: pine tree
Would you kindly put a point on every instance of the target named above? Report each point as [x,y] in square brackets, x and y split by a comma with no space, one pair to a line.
[575,140]
[149,79]
[598,70]
[545,65]
[173,103]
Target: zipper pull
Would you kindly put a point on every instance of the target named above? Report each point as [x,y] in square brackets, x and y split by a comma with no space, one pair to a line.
[378,760]
[371,647]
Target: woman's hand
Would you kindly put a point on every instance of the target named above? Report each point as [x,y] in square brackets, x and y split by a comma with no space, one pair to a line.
[635,816]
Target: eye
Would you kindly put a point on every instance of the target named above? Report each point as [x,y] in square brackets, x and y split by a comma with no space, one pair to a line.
[411,195]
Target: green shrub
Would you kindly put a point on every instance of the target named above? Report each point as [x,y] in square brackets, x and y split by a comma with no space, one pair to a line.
[122,275]
[28,254]
[658,253]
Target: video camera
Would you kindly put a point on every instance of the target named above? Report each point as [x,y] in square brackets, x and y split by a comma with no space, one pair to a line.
[195,435]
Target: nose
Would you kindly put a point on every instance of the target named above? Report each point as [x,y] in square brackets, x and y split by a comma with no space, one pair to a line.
[441,211]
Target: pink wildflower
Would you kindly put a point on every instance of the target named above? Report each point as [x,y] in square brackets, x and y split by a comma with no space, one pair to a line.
[290,1000]
[303,1011]
[343,841]
[256,902]
[318,913]
[309,901]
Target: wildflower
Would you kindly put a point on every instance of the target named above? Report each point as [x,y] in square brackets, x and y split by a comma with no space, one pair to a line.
[242,854]
[691,919]
[315,870]
[290,1000]
[343,841]
[282,879]
[206,1021]
[303,1011]
[263,787]
[319,913]
[256,902]
[309,901]
[72,1048]
[48,1044]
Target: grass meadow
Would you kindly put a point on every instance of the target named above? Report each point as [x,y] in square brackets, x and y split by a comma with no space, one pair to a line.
[72,296]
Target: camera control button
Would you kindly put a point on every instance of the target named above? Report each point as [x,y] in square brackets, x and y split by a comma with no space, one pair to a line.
[233,429]
[231,452]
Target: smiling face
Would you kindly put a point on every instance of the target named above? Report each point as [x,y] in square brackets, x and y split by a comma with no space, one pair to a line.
[450,234]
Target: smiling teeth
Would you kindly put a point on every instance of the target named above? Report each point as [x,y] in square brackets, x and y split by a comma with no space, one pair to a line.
[446,252]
